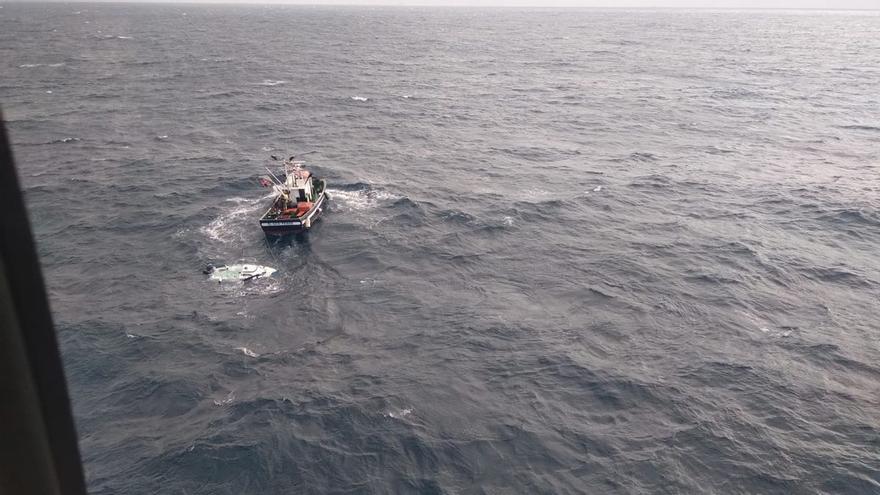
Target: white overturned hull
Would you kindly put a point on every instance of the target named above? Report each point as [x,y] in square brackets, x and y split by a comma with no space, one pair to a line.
[239,273]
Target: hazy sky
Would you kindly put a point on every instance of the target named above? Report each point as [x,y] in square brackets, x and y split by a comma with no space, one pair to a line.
[772,4]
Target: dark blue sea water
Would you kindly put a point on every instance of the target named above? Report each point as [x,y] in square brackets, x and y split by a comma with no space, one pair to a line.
[569,251]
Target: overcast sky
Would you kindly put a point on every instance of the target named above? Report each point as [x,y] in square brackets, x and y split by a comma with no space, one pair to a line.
[756,4]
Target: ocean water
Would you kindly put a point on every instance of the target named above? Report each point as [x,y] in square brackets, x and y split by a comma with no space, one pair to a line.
[568,251]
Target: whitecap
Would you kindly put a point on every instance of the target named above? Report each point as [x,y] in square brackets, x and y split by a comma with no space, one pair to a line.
[28,66]
[384,195]
[266,287]
[508,221]
[359,98]
[239,200]
[247,352]
[537,194]
[226,400]
[56,65]
[360,199]
[164,136]
[597,189]
[271,82]
[355,200]
[123,37]
[49,92]
[399,414]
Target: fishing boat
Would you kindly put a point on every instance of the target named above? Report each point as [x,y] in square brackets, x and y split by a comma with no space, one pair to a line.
[299,199]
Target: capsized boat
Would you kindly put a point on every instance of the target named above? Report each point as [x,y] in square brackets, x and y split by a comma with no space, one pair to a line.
[238,273]
[299,200]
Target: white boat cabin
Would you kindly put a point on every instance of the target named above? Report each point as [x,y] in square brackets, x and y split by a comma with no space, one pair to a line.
[298,186]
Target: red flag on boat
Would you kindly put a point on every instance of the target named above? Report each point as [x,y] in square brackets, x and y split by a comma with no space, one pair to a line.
[265,182]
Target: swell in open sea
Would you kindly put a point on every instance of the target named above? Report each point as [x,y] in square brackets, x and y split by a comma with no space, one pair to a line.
[569,251]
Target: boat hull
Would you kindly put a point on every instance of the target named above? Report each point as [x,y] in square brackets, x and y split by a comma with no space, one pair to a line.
[287,226]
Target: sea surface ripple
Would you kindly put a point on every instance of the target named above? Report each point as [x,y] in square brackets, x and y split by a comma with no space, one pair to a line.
[569,251]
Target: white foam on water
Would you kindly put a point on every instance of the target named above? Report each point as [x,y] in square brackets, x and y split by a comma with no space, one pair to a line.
[165,136]
[359,98]
[508,221]
[399,414]
[247,352]
[49,93]
[597,189]
[221,228]
[270,82]
[123,37]
[384,196]
[250,201]
[360,199]
[226,400]
[537,194]
[56,65]
[354,200]
[260,287]
[28,66]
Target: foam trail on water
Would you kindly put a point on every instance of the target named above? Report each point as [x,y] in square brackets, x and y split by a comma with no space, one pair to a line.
[221,227]
[361,199]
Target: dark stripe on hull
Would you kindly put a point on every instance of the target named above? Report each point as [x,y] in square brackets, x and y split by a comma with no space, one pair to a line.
[293,226]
